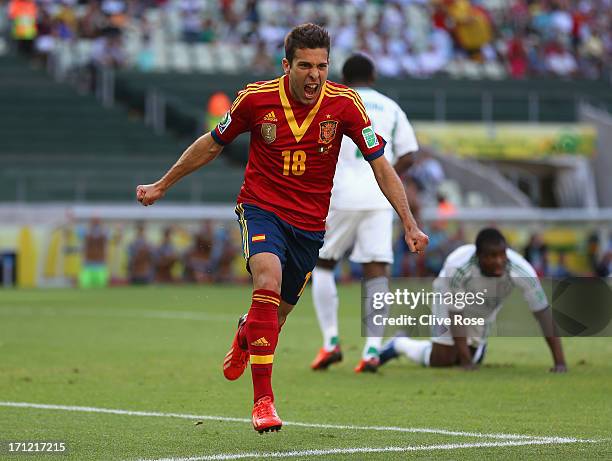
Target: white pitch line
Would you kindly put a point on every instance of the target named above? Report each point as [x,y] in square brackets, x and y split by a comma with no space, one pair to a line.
[43,406]
[126,313]
[123,313]
[360,450]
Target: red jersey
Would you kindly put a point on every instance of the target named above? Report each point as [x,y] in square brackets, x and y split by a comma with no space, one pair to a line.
[294,147]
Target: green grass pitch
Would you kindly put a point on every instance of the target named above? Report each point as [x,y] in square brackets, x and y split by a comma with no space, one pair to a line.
[159,349]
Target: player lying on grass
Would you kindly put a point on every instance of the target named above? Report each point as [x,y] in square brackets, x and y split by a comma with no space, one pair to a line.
[497,268]
[296,124]
[360,216]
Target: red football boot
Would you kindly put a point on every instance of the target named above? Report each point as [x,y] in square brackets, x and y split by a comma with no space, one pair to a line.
[367,366]
[325,358]
[237,359]
[265,418]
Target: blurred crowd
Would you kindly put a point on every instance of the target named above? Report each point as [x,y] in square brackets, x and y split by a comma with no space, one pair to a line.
[211,254]
[563,38]
[209,257]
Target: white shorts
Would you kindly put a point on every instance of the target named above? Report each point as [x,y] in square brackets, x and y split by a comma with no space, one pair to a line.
[370,233]
[476,335]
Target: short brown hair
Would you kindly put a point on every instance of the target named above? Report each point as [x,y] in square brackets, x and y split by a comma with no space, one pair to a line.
[306,36]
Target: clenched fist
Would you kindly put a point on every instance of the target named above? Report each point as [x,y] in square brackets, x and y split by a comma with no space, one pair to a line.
[416,240]
[148,194]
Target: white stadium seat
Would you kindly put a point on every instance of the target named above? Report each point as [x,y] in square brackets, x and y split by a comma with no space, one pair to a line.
[204,58]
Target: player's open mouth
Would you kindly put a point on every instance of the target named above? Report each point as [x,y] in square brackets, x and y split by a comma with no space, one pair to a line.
[310,90]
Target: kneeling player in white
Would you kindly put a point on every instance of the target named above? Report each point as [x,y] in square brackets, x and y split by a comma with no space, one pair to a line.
[468,269]
[360,216]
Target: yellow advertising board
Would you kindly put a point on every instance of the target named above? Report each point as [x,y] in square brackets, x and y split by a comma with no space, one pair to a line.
[508,140]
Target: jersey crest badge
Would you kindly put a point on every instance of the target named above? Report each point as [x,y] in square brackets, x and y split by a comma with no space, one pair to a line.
[268,132]
[327,131]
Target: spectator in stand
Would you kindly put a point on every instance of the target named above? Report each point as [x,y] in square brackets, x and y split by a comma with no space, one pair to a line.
[166,258]
[66,22]
[208,34]
[191,20]
[116,11]
[604,267]
[387,63]
[94,271]
[23,16]
[141,258]
[560,270]
[517,56]
[536,253]
[472,27]
[555,38]
[445,207]
[93,22]
[345,35]
[198,258]
[145,60]
[559,61]
[428,174]
[46,40]
[107,50]
[262,63]
[222,256]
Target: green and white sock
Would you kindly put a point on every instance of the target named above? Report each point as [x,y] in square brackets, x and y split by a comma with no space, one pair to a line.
[373,332]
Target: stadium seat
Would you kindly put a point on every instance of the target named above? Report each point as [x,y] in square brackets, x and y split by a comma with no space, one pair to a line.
[472,70]
[247,52]
[161,62]
[83,52]
[64,56]
[227,58]
[451,190]
[172,24]
[132,43]
[306,9]
[337,59]
[493,70]
[181,56]
[267,10]
[80,147]
[475,199]
[204,58]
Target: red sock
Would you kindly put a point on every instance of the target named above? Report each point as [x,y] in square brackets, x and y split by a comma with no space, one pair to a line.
[262,336]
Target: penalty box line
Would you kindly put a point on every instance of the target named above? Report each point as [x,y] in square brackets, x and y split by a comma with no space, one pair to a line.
[363,450]
[423,430]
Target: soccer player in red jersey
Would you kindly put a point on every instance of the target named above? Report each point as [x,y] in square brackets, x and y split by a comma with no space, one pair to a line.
[296,124]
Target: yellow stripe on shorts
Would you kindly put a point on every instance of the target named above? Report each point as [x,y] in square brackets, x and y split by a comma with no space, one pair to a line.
[245,231]
[305,282]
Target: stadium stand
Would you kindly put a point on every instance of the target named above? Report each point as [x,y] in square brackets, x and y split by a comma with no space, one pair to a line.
[63,146]
[470,39]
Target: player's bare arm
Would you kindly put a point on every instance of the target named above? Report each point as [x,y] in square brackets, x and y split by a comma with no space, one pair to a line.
[463,351]
[404,162]
[201,152]
[547,325]
[392,187]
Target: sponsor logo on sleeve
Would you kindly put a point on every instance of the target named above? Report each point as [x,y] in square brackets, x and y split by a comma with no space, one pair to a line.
[224,123]
[369,137]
